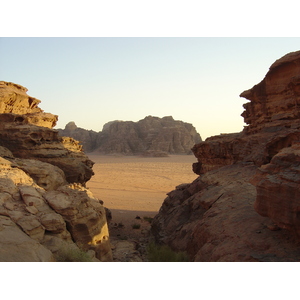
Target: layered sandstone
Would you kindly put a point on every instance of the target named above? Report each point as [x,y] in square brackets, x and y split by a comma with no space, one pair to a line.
[27,132]
[272,116]
[213,220]
[245,204]
[15,101]
[278,189]
[149,136]
[44,207]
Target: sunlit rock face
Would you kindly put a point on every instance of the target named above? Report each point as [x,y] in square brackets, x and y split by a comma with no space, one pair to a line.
[27,132]
[245,204]
[44,207]
[24,109]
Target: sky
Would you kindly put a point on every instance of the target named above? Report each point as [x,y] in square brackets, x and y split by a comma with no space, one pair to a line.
[94,80]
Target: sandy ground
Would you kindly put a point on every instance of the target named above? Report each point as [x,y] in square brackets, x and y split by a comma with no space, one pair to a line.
[134,187]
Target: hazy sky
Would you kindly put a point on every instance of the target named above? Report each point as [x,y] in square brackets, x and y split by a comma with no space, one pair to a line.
[92,81]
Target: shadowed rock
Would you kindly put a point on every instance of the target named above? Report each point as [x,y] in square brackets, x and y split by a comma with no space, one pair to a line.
[244,206]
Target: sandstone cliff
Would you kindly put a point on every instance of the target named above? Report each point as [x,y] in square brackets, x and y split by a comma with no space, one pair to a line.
[45,210]
[244,206]
[27,132]
[150,136]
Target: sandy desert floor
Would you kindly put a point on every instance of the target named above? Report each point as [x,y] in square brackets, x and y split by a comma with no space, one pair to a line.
[134,187]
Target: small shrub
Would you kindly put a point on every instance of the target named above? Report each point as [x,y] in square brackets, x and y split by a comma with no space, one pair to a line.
[71,254]
[158,253]
[136,226]
[120,225]
[148,219]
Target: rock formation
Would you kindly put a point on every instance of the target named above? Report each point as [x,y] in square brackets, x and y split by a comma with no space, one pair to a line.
[27,132]
[150,136]
[244,206]
[88,138]
[44,207]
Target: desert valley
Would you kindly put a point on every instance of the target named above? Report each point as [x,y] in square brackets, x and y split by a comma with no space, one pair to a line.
[77,195]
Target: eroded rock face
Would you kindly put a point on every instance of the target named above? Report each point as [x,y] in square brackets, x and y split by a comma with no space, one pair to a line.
[150,135]
[273,117]
[213,219]
[61,215]
[30,135]
[44,206]
[23,108]
[278,189]
[275,100]
[244,206]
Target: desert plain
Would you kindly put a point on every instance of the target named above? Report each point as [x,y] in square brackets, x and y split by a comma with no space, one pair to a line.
[132,186]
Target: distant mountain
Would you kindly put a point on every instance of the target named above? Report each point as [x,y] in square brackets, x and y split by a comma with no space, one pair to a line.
[152,136]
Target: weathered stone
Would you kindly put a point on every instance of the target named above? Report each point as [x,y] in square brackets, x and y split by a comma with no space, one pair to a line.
[213,218]
[53,222]
[31,196]
[85,218]
[31,226]
[275,100]
[278,189]
[16,102]
[44,175]
[35,163]
[273,117]
[17,246]
[26,131]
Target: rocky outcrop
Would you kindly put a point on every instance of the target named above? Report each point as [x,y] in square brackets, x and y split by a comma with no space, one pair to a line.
[213,219]
[44,207]
[274,102]
[30,135]
[23,108]
[152,135]
[87,138]
[244,206]
[272,116]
